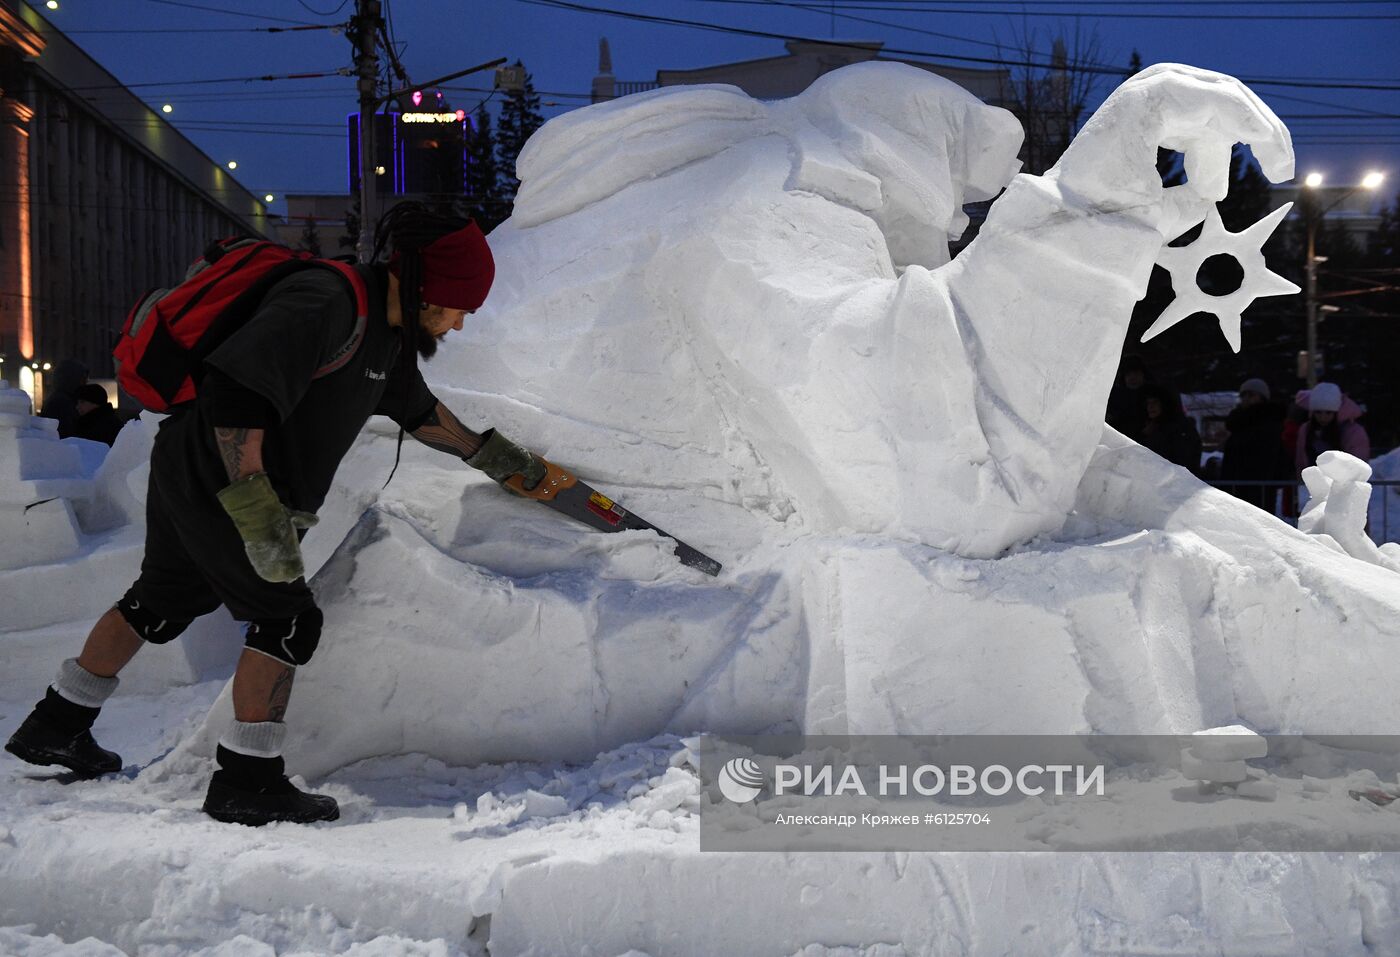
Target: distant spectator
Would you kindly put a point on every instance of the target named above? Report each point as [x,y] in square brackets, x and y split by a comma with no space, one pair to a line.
[1253,452]
[61,399]
[1125,409]
[1331,425]
[1167,430]
[97,420]
[1292,423]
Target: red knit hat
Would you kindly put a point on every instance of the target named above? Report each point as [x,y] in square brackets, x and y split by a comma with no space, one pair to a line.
[457,269]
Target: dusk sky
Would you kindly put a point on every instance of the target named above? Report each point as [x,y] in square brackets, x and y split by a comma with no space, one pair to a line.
[288,135]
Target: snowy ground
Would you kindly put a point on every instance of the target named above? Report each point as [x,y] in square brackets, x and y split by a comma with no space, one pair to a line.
[601,859]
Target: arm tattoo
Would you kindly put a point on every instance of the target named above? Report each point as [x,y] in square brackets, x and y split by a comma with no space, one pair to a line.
[443,432]
[231,448]
[280,694]
[241,450]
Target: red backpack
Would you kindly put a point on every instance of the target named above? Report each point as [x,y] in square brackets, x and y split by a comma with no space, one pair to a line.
[169,333]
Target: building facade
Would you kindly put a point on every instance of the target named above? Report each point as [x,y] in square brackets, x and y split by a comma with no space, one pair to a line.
[100,200]
[779,77]
[417,152]
[317,222]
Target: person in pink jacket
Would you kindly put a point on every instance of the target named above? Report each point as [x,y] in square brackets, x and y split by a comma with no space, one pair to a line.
[1331,425]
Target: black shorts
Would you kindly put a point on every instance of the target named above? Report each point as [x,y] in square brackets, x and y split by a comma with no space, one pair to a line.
[195,561]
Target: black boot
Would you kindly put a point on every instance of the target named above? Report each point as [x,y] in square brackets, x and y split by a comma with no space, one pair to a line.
[59,732]
[255,791]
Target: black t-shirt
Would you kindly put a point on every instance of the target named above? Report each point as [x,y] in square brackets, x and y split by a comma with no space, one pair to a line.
[300,325]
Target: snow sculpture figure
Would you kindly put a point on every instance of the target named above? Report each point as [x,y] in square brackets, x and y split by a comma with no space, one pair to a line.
[771,284]
[1337,505]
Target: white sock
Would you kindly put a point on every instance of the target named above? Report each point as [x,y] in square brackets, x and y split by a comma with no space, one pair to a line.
[256,739]
[81,686]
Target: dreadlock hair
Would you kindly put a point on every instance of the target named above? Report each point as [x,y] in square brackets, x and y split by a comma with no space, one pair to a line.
[407,227]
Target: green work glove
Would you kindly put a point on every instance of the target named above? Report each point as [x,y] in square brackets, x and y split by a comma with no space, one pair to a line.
[268,528]
[501,458]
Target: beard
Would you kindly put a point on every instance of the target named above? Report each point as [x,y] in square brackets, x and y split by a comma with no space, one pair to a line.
[427,343]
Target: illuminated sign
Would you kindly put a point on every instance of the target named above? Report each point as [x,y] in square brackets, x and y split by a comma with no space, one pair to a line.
[456,117]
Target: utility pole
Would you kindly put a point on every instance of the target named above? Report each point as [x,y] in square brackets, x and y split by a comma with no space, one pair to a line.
[362,33]
[1313,217]
[1311,291]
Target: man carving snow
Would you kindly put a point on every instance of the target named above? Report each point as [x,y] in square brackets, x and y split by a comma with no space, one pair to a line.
[236,474]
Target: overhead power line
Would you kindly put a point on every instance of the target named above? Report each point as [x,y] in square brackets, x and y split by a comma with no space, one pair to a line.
[297,29]
[1339,106]
[318,13]
[226,10]
[185,121]
[229,79]
[928,54]
[926,6]
[830,11]
[263,132]
[236,96]
[1161,3]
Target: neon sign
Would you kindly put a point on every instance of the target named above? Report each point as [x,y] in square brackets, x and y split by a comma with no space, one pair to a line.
[455,117]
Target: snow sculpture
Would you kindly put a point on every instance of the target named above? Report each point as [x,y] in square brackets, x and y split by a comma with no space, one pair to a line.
[1218,759]
[771,284]
[119,486]
[1336,511]
[38,474]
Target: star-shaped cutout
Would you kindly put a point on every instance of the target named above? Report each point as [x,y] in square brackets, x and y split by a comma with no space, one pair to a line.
[1246,246]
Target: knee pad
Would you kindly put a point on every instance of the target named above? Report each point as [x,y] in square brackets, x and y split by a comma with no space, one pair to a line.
[149,624]
[291,641]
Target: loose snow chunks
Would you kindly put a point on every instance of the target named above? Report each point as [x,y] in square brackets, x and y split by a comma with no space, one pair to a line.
[752,301]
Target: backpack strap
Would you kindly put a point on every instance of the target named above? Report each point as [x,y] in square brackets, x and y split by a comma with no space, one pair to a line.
[351,345]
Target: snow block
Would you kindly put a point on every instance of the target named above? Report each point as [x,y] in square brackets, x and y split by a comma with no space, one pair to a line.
[119,484]
[1232,743]
[38,534]
[1220,772]
[1258,789]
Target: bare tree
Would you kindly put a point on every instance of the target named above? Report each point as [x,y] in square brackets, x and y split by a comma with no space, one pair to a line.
[1050,96]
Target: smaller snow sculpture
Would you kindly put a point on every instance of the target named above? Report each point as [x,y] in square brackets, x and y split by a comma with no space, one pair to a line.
[38,472]
[1217,758]
[1336,510]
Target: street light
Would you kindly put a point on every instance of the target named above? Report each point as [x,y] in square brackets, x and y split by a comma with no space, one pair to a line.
[1312,217]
